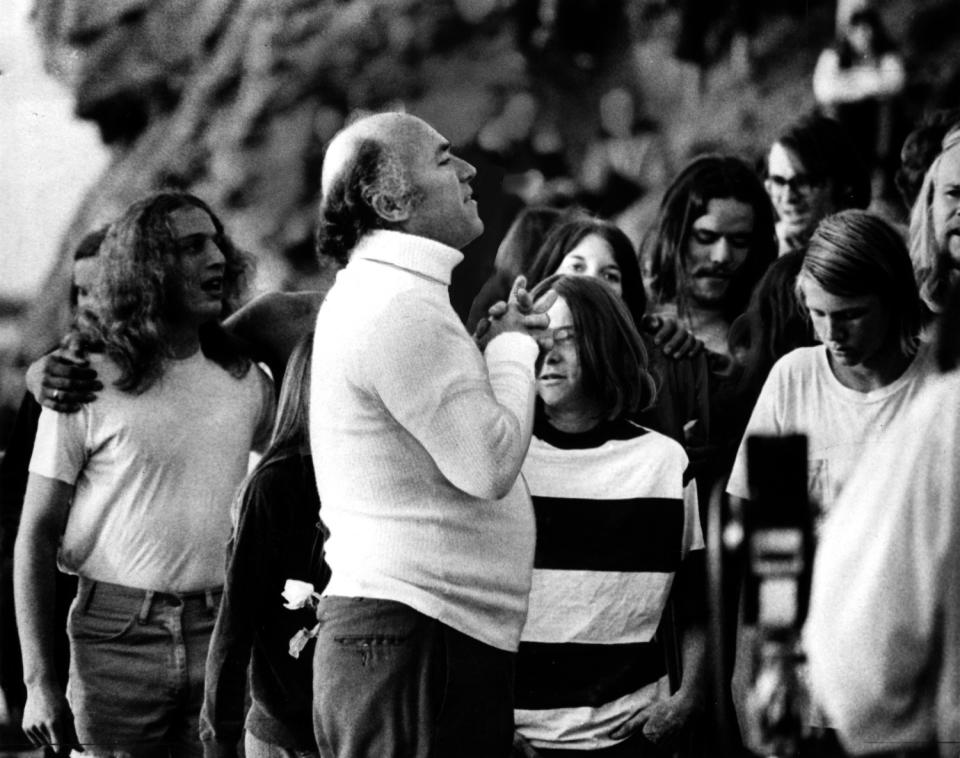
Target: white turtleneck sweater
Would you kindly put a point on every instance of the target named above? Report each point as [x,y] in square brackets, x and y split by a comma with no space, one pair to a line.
[418,440]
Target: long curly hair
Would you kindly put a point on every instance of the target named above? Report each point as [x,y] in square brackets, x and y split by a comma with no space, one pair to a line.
[706,178]
[135,305]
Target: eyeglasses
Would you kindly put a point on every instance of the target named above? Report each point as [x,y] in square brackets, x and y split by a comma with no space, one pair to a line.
[740,240]
[563,335]
[801,183]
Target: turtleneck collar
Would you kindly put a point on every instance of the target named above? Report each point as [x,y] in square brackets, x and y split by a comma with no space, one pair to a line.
[410,252]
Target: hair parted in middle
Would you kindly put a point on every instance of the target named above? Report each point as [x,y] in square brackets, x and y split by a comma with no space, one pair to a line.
[348,209]
[855,253]
[705,178]
[134,287]
[569,233]
[613,359]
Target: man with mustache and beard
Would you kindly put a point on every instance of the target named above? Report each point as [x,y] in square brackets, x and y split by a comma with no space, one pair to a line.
[935,225]
[713,239]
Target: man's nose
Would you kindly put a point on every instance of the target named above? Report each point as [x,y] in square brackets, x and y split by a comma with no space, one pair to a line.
[834,330]
[213,255]
[721,252]
[465,170]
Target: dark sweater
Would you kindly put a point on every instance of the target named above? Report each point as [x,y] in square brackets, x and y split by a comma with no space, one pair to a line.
[277,538]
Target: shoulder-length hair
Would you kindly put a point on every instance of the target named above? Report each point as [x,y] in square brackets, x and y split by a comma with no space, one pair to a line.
[613,359]
[133,293]
[826,151]
[705,178]
[855,253]
[931,266]
[774,323]
[567,234]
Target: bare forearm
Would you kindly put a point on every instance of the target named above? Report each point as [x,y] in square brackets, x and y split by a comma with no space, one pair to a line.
[34,585]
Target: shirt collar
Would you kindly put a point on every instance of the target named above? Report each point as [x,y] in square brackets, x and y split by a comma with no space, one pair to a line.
[411,252]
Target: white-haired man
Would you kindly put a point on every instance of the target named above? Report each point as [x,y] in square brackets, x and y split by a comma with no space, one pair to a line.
[418,440]
[935,225]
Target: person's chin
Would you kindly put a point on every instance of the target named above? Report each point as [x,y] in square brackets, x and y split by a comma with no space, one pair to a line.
[551,393]
[845,357]
[795,223]
[710,293]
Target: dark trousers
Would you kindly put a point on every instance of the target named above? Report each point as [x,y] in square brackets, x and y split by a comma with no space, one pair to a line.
[389,682]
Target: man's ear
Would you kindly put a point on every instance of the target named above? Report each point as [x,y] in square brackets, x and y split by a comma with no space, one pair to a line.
[390,208]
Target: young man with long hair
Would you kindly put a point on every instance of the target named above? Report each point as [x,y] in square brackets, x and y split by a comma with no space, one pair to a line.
[133,492]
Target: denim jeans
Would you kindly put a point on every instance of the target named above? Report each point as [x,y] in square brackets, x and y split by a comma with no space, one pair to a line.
[389,682]
[137,668]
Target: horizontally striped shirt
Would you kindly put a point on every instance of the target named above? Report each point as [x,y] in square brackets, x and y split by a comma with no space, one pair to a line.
[616,515]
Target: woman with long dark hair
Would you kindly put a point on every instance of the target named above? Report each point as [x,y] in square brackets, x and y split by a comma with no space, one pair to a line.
[278,537]
[586,246]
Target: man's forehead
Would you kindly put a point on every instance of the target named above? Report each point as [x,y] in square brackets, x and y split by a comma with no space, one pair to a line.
[189,221]
[948,166]
[783,161]
[400,131]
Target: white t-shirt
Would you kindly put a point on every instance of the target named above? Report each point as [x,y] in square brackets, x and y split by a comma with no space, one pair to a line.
[883,634]
[155,473]
[802,395]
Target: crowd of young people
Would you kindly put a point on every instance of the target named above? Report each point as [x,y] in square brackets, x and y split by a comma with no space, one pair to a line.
[503,525]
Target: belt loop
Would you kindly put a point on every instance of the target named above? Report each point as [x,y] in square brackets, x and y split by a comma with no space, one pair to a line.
[85,593]
[208,597]
[145,607]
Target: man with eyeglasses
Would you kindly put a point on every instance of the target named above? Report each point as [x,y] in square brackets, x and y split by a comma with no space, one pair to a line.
[813,169]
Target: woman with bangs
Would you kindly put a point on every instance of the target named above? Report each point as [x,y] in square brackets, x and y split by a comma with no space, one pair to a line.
[588,246]
[132,493]
[617,525]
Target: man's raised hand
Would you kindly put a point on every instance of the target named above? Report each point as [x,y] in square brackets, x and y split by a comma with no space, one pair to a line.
[518,314]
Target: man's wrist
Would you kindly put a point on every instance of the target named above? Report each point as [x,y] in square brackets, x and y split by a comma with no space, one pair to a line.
[41,681]
[513,345]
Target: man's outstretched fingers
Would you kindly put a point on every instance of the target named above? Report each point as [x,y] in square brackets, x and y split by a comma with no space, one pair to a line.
[545,302]
[520,283]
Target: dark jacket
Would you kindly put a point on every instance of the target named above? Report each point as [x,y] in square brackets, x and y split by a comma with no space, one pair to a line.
[278,537]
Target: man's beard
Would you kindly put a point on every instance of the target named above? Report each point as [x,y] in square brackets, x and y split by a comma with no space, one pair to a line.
[702,292]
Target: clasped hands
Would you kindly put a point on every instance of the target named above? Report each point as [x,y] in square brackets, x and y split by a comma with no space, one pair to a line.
[519,313]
